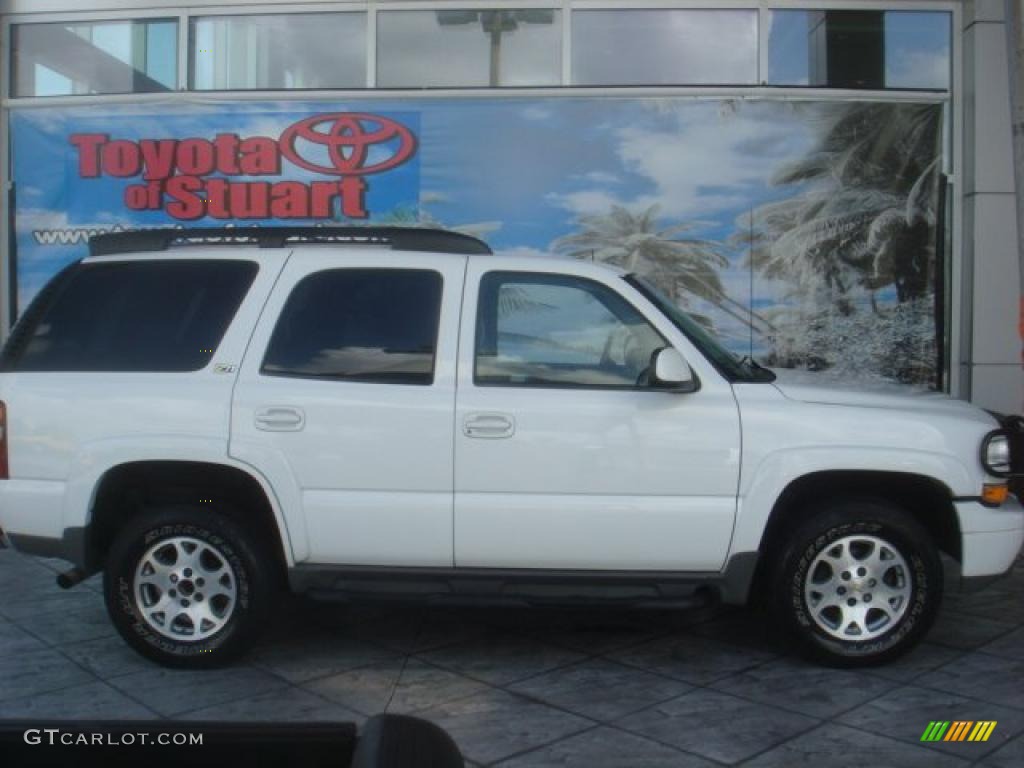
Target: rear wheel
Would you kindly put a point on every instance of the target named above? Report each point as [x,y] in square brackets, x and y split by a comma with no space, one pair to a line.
[859,583]
[184,587]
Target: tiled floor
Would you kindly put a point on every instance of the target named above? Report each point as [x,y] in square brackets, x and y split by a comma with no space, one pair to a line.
[524,688]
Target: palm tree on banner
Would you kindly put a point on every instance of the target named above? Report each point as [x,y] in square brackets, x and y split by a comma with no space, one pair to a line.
[681,267]
[865,215]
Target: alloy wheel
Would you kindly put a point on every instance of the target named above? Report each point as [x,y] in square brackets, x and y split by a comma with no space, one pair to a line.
[185,589]
[857,587]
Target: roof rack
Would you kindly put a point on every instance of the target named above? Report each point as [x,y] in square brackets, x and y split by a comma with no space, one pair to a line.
[398,238]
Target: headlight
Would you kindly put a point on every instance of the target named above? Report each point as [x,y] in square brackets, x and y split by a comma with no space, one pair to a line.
[995,454]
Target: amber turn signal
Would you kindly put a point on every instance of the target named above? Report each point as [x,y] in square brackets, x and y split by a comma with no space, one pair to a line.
[994,494]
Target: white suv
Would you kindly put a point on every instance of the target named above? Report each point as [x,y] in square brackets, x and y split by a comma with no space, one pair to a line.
[205,415]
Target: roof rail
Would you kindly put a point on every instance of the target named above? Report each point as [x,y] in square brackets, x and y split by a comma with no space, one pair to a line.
[398,238]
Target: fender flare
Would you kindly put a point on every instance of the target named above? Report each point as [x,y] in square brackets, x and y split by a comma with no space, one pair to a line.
[780,469]
[96,459]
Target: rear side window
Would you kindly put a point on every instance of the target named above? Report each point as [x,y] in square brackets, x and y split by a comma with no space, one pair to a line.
[160,316]
[370,325]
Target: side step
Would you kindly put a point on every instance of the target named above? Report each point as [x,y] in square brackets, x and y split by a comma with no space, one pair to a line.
[490,586]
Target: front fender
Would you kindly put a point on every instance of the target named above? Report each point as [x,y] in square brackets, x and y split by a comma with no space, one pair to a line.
[762,486]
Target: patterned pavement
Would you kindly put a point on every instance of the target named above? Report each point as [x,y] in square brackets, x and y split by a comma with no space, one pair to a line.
[543,687]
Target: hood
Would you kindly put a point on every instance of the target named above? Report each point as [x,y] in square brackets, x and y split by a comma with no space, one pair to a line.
[809,387]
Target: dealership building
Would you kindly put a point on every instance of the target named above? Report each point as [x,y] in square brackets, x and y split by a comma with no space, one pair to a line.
[825,185]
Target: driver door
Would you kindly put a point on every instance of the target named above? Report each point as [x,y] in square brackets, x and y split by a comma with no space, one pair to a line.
[565,457]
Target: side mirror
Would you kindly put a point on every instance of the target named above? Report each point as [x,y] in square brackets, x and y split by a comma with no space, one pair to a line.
[670,371]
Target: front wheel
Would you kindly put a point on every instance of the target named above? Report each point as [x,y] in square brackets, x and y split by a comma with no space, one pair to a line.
[184,587]
[859,583]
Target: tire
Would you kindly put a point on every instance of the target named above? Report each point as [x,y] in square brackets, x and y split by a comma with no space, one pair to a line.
[858,584]
[210,565]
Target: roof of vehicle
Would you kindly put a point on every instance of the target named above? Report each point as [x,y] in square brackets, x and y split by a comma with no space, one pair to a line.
[396,238]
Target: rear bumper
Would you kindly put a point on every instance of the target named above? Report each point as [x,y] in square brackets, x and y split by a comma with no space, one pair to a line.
[991,538]
[70,547]
[32,520]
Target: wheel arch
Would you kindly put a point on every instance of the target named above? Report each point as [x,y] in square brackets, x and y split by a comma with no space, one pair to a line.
[927,499]
[126,490]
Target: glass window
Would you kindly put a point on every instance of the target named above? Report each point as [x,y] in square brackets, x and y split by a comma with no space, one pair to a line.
[552,330]
[300,50]
[373,325]
[130,316]
[94,57]
[860,49]
[664,47]
[917,50]
[473,48]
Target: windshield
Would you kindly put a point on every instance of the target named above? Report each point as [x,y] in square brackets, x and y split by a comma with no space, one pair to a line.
[729,365]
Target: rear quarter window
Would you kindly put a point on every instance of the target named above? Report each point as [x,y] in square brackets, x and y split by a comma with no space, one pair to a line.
[160,316]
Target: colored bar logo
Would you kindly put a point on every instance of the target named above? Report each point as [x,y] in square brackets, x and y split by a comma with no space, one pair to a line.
[958,730]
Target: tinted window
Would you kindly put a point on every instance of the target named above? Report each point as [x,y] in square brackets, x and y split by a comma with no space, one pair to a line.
[131,316]
[375,325]
[664,47]
[70,58]
[552,330]
[860,49]
[473,48]
[300,50]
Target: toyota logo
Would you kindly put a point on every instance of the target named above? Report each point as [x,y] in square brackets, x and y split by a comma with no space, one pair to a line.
[348,138]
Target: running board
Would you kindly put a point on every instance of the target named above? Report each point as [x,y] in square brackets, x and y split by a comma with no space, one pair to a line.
[525,586]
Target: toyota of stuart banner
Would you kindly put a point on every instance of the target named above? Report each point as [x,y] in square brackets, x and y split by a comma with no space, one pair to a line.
[804,233]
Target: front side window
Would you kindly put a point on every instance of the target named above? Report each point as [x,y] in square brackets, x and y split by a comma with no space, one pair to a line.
[162,316]
[278,51]
[369,325]
[559,331]
[71,58]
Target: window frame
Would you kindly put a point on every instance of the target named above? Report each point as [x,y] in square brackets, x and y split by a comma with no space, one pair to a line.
[261,369]
[556,278]
[22,13]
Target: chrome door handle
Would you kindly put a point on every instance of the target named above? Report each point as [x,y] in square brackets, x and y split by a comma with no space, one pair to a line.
[492,425]
[280,419]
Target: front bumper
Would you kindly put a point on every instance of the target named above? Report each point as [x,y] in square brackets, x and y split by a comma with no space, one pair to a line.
[991,538]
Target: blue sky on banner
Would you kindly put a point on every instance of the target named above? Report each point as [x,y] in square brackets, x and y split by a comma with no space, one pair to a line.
[519,171]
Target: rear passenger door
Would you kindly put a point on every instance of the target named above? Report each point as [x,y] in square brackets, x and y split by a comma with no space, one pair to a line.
[345,401]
